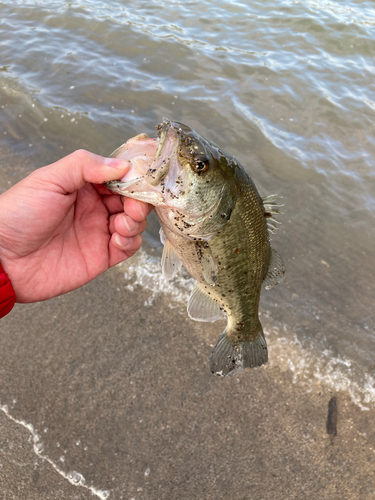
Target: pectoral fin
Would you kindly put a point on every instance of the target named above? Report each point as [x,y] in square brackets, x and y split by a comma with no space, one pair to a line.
[170,261]
[207,262]
[202,307]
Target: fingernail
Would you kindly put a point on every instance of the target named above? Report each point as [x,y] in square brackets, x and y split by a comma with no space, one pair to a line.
[142,209]
[127,225]
[115,162]
[121,244]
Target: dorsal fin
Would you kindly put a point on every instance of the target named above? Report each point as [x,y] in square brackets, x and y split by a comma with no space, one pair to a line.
[276,271]
[271,208]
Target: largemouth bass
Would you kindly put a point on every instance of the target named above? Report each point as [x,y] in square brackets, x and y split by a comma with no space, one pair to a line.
[214,222]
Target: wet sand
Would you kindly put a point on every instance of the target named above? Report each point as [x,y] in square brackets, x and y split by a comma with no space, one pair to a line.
[121,393]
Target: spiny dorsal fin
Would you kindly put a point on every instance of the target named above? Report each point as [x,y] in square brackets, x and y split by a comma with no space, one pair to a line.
[202,307]
[271,208]
[276,271]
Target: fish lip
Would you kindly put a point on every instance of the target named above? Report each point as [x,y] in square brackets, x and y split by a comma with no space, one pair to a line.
[164,128]
[167,149]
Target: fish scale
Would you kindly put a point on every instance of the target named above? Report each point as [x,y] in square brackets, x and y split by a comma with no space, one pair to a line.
[244,247]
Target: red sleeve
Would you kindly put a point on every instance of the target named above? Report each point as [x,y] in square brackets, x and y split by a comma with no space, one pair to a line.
[7,295]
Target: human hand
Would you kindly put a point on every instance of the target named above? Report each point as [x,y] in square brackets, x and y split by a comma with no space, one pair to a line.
[60,227]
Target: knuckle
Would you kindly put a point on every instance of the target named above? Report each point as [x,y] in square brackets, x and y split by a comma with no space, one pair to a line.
[81,155]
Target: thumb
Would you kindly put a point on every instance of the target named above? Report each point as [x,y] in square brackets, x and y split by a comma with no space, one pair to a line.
[73,171]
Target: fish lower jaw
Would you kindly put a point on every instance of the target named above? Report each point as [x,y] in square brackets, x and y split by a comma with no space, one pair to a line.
[137,189]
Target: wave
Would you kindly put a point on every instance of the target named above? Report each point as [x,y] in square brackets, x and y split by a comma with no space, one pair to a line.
[311,369]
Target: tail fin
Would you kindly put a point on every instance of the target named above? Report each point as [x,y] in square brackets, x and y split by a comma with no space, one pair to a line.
[229,358]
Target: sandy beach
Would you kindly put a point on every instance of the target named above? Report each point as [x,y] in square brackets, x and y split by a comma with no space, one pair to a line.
[122,394]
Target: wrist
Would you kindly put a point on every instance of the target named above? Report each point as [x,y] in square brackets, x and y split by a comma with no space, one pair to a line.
[7,294]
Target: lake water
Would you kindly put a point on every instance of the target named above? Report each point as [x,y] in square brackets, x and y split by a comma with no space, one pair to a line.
[287,87]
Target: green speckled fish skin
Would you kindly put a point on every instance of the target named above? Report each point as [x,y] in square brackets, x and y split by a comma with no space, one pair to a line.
[242,253]
[214,222]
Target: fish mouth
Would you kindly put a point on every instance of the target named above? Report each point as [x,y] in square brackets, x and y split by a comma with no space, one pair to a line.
[154,181]
[165,166]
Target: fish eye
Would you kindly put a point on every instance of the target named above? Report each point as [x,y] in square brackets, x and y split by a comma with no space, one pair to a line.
[201,165]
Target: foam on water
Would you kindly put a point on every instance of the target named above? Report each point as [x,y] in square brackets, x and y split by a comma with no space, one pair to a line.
[309,368]
[145,270]
[312,369]
[73,477]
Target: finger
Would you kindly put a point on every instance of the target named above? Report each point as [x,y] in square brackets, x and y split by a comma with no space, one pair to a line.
[113,204]
[72,172]
[127,245]
[137,210]
[102,189]
[125,225]
[116,255]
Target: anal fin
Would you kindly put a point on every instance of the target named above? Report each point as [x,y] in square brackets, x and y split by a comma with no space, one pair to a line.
[162,236]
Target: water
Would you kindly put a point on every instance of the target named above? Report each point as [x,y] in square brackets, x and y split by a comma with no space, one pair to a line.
[286,87]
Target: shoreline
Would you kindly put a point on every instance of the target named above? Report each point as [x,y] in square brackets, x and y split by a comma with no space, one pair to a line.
[125,392]
[310,368]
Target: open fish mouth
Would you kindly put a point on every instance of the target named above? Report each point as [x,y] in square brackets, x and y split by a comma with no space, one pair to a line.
[155,166]
[165,168]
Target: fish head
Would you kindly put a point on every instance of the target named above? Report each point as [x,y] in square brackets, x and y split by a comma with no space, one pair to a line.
[188,173]
[196,179]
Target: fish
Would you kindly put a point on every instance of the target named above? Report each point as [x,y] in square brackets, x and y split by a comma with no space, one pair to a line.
[215,224]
